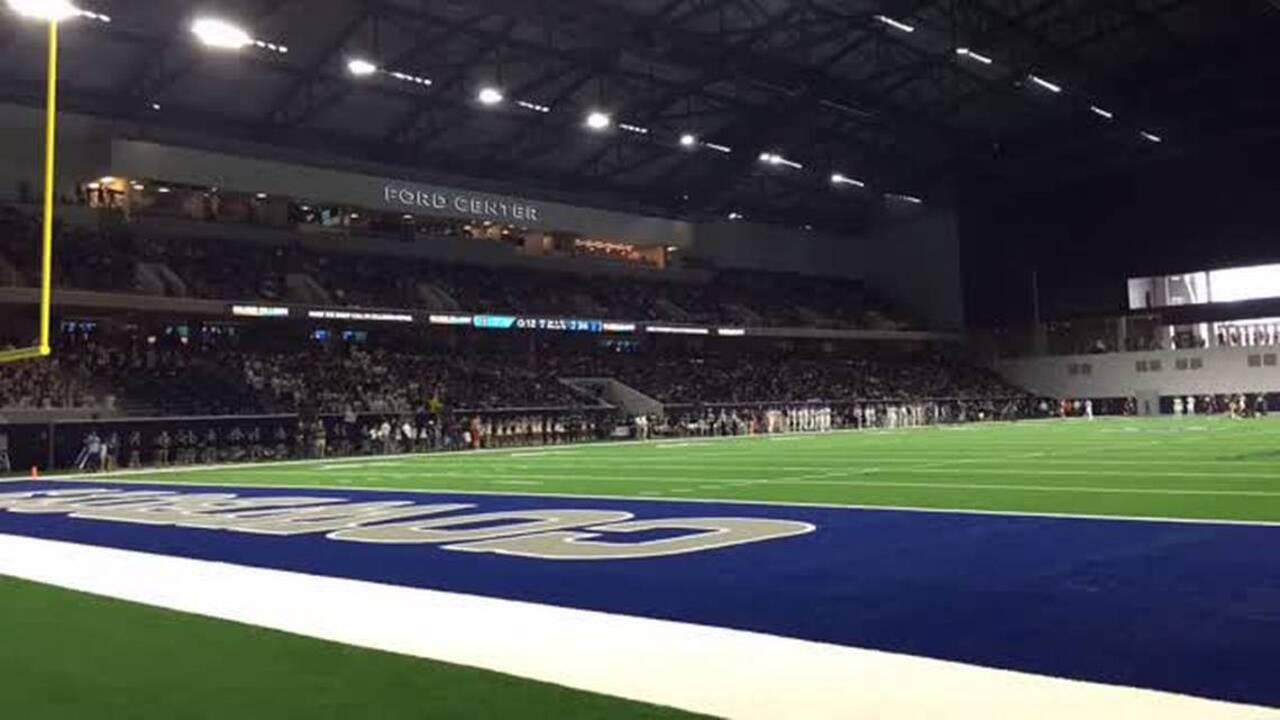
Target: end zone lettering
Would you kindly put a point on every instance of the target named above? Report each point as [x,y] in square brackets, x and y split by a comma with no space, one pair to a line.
[547,534]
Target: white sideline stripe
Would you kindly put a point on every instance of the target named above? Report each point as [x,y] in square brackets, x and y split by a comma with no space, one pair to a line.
[728,673]
[651,496]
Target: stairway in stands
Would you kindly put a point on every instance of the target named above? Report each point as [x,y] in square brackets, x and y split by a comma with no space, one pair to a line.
[607,391]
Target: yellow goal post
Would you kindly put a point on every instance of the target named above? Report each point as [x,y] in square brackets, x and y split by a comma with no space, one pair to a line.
[43,349]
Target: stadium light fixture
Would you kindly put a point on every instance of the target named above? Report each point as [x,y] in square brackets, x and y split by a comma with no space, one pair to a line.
[735,216]
[896,24]
[842,179]
[1101,112]
[688,140]
[1050,86]
[1150,136]
[718,148]
[224,35]
[536,107]
[965,52]
[769,158]
[410,78]
[163,190]
[361,67]
[55,11]
[597,120]
[490,96]
[912,199]
[220,34]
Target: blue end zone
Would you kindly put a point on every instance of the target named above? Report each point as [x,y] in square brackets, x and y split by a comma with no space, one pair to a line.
[1189,608]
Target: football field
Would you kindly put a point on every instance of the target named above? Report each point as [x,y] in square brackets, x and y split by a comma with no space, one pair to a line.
[1117,568]
[1192,468]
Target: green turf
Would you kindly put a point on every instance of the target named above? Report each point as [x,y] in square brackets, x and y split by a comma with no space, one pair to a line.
[1208,468]
[67,655]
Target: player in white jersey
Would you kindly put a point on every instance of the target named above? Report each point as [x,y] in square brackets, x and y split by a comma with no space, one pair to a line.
[1177,406]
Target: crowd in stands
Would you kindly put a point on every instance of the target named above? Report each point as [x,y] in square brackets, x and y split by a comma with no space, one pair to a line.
[384,382]
[164,376]
[56,383]
[85,260]
[174,375]
[1098,336]
[746,379]
[1249,334]
[124,258]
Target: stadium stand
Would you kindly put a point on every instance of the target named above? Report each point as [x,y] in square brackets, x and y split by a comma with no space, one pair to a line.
[123,258]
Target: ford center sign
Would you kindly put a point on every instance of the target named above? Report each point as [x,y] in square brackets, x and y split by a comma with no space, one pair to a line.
[480,206]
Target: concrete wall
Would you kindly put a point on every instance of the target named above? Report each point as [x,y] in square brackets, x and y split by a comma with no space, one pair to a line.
[84,151]
[1222,370]
[917,262]
[752,246]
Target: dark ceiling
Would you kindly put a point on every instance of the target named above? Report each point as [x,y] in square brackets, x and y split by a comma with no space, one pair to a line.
[824,83]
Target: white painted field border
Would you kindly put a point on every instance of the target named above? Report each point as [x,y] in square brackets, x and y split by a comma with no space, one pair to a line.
[649,496]
[820,479]
[728,673]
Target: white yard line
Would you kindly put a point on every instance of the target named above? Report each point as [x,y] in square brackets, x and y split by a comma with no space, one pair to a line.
[722,672]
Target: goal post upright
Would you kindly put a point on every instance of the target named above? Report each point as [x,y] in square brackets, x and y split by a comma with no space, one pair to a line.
[45,346]
[50,169]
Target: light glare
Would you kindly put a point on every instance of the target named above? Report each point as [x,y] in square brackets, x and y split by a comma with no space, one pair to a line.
[842,179]
[216,33]
[361,67]
[47,10]
[490,96]
[598,120]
